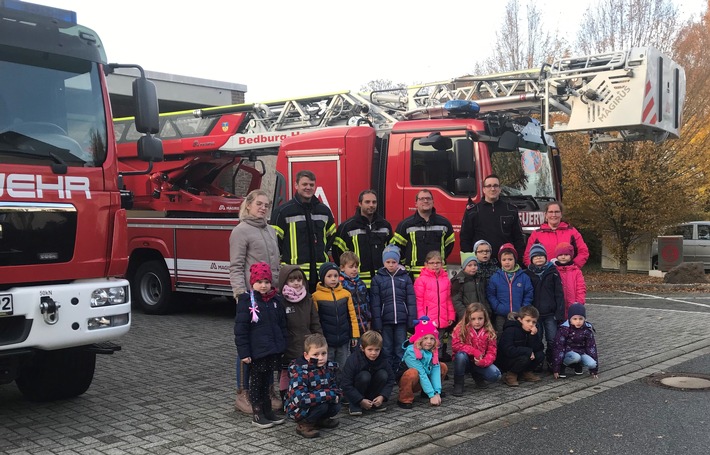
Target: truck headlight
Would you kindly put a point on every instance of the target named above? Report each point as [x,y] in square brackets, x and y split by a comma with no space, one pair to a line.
[109,296]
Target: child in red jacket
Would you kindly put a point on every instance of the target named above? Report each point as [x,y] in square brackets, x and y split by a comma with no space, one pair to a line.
[573,285]
[433,291]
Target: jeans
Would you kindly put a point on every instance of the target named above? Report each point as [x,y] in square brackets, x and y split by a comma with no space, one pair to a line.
[572,357]
[393,336]
[547,327]
[463,365]
[339,354]
[321,411]
[369,387]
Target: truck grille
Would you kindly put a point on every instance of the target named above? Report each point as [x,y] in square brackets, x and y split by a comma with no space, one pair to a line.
[34,233]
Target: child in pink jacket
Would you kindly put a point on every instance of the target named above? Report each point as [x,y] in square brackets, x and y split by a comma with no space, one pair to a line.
[573,285]
[433,292]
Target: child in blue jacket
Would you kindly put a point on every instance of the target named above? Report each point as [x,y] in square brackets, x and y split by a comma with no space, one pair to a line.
[509,288]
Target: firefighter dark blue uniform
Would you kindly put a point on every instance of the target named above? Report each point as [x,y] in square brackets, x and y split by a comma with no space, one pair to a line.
[416,237]
[305,233]
[365,238]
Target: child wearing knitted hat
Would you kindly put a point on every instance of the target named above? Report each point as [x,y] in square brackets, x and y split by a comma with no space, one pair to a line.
[260,335]
[487,263]
[424,372]
[394,305]
[548,296]
[467,287]
[575,345]
[509,288]
[337,313]
[575,289]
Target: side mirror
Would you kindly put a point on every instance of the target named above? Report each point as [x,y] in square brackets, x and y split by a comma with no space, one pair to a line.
[508,141]
[150,148]
[437,141]
[465,185]
[145,97]
[463,156]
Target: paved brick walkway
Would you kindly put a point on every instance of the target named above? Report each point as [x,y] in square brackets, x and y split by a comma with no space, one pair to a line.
[171,390]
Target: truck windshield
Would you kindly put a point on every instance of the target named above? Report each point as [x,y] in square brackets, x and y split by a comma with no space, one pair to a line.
[51,109]
[525,173]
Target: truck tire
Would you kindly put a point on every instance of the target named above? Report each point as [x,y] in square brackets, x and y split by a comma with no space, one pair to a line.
[56,375]
[151,287]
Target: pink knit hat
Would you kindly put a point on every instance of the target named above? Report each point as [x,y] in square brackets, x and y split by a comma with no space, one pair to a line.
[425,326]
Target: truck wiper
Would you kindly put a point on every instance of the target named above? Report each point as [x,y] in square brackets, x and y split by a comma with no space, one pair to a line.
[8,147]
[525,197]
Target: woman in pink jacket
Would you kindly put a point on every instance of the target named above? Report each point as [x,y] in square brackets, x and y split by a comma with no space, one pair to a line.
[433,292]
[573,285]
[555,231]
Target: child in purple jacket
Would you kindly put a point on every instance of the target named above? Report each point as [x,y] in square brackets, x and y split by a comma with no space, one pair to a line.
[575,345]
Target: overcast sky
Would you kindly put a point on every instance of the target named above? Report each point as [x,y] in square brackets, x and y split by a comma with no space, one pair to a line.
[281,49]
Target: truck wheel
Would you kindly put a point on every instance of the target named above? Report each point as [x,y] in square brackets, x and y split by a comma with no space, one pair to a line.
[151,287]
[56,375]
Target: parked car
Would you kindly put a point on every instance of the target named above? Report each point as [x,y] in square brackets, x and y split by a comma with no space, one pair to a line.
[696,243]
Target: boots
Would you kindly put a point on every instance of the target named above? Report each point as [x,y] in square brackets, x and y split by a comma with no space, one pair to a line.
[259,419]
[307,430]
[510,379]
[529,376]
[458,386]
[277,403]
[269,413]
[242,403]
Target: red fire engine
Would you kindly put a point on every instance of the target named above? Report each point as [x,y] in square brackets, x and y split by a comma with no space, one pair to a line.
[428,136]
[62,227]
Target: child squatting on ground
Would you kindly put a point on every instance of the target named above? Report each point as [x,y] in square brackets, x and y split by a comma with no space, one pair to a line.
[367,378]
[575,345]
[394,305]
[260,336]
[301,318]
[474,346]
[520,349]
[313,398]
[424,372]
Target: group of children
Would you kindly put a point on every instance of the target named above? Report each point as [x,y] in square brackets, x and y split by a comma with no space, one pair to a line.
[347,344]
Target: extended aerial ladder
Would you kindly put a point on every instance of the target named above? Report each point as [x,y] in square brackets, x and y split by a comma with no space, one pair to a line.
[630,95]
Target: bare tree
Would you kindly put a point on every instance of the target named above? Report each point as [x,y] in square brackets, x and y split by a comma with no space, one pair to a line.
[613,25]
[381,84]
[523,41]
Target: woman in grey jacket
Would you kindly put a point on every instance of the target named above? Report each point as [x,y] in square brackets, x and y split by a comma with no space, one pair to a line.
[252,240]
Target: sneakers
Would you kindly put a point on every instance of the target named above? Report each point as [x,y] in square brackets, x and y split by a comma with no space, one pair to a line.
[404,405]
[330,422]
[382,408]
[510,379]
[261,421]
[562,374]
[578,368]
[242,403]
[480,383]
[307,430]
[355,411]
[529,376]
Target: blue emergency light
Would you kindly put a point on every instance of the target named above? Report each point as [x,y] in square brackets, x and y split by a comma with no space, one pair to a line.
[462,108]
[40,10]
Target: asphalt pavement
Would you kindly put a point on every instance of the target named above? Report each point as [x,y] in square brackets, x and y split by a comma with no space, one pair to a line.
[171,390]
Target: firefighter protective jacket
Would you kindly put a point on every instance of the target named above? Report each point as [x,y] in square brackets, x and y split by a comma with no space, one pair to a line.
[305,232]
[364,238]
[417,237]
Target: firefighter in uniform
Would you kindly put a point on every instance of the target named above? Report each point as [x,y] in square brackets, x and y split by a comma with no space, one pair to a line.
[423,232]
[305,229]
[365,234]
